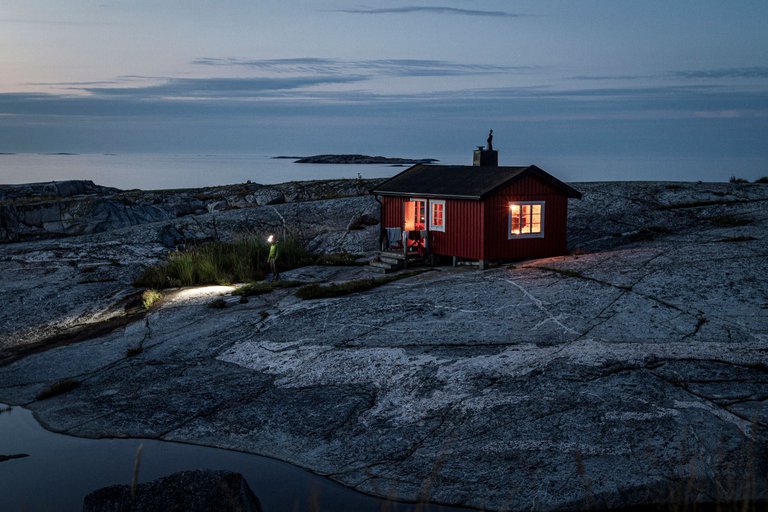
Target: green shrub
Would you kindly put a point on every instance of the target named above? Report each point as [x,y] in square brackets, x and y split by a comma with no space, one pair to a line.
[734,179]
[316,291]
[150,297]
[763,180]
[58,388]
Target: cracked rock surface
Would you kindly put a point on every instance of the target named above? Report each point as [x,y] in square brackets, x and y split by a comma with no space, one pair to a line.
[634,372]
[55,287]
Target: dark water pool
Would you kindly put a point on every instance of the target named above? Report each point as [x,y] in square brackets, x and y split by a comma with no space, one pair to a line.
[61,470]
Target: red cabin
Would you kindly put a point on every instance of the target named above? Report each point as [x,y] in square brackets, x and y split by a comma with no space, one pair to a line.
[481,212]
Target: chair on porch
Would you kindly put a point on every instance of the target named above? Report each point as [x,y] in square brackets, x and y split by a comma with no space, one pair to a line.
[394,241]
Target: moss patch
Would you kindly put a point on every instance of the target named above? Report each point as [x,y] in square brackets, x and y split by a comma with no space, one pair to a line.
[262,287]
[317,291]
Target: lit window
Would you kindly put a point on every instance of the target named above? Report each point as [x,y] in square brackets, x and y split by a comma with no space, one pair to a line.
[526,219]
[415,215]
[437,215]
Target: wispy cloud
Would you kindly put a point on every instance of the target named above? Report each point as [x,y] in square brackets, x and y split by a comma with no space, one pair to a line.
[432,10]
[225,88]
[745,72]
[715,73]
[75,85]
[389,67]
[30,21]
[609,77]
[338,96]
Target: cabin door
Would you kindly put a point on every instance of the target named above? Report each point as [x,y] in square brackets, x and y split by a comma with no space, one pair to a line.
[415,224]
[415,215]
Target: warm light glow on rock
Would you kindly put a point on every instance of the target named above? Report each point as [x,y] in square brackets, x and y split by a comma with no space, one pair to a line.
[202,291]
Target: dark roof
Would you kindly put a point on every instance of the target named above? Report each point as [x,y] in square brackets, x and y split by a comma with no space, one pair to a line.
[462,181]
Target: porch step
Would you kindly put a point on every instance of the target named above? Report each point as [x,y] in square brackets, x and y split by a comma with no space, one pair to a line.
[412,256]
[382,270]
[385,265]
[391,260]
[392,255]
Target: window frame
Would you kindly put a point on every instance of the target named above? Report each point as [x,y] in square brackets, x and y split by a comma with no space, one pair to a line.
[540,234]
[432,225]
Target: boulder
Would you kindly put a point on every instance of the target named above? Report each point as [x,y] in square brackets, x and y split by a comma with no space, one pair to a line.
[187,491]
[265,196]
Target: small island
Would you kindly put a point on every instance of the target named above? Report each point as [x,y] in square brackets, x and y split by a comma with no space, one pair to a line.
[357,159]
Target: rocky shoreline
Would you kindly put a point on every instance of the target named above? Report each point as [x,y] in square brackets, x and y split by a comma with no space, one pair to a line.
[632,372]
[66,208]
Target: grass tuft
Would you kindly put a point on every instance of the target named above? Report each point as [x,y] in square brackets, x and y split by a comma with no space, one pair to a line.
[317,291]
[58,388]
[734,179]
[149,298]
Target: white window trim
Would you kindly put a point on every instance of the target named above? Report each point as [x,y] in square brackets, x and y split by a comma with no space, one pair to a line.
[510,236]
[432,226]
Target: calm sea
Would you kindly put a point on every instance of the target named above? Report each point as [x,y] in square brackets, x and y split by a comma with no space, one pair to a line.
[161,171]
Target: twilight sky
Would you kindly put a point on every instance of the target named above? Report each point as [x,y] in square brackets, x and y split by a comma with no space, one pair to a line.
[680,86]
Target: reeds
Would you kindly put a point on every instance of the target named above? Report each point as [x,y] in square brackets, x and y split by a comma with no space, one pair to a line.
[222,263]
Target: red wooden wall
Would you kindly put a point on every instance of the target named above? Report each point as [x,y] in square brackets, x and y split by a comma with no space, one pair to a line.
[529,188]
[392,211]
[478,229]
[463,236]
